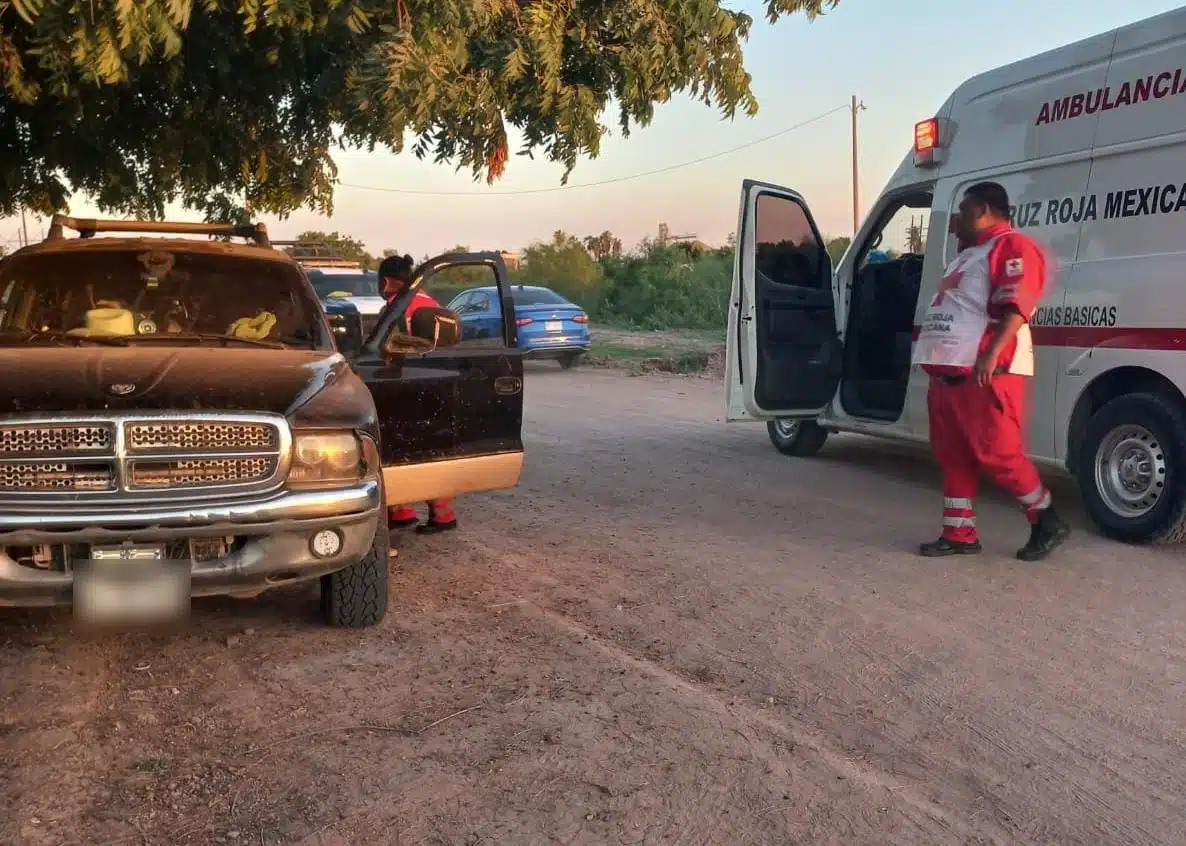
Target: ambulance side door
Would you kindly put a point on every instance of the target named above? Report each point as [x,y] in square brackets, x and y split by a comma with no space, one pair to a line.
[784,350]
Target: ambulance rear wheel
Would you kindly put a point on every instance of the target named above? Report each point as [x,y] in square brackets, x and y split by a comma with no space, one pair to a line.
[1132,469]
[800,438]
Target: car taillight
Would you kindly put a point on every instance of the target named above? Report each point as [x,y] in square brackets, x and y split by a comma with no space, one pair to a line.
[581,318]
[523,321]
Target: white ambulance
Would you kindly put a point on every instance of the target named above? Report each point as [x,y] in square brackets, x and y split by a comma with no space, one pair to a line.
[1090,142]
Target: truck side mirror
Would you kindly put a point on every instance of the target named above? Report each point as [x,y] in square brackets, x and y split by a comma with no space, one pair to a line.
[439,325]
[346,325]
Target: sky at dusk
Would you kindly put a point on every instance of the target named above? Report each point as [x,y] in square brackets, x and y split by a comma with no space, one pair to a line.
[901,58]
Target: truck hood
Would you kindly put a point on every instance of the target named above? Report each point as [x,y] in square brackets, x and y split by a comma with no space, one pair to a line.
[369,306]
[78,379]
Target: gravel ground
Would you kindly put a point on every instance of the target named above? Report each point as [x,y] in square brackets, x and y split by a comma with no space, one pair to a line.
[667,634]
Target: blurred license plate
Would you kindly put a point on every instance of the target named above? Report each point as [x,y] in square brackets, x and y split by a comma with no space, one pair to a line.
[553,326]
[131,584]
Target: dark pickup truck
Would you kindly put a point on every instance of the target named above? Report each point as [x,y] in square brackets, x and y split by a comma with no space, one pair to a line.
[180,417]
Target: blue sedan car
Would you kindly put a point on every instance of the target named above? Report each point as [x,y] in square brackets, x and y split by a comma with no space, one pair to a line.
[550,327]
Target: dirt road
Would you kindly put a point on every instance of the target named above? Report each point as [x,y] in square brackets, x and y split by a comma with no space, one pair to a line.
[668,634]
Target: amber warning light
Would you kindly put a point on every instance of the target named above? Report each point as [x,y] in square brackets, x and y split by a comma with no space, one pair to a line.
[926,141]
[926,136]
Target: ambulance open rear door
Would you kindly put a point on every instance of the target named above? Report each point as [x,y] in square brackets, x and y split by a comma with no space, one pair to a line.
[783,352]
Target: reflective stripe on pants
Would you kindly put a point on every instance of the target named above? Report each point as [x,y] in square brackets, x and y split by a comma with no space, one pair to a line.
[978,430]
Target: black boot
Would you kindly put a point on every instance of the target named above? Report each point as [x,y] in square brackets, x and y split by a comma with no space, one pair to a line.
[943,547]
[1045,536]
[435,527]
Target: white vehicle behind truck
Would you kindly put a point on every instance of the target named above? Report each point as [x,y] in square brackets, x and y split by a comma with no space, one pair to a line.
[340,280]
[1090,142]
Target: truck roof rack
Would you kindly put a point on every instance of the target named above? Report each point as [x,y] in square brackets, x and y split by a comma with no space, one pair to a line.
[314,263]
[87,227]
[314,254]
[308,249]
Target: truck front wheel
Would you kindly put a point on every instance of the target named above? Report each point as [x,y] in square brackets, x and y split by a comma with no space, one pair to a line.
[800,438]
[1132,469]
[356,597]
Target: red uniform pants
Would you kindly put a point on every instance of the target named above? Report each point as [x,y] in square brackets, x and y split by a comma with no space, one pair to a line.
[439,511]
[979,430]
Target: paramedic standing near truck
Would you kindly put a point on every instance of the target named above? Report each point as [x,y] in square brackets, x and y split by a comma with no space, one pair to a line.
[395,274]
[975,344]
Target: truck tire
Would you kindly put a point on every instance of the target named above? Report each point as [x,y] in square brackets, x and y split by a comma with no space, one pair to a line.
[1132,469]
[800,438]
[356,597]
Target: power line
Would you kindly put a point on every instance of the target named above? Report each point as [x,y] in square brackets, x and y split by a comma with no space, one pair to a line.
[602,182]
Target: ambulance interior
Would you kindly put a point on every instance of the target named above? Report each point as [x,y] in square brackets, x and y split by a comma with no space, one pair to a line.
[882,301]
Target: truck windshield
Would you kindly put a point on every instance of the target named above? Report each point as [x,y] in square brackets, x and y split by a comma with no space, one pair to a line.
[169,295]
[350,284]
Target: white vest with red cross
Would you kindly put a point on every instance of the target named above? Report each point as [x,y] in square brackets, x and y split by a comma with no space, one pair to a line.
[954,324]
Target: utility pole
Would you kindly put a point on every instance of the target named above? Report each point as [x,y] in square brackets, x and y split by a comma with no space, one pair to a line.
[857,106]
[24,228]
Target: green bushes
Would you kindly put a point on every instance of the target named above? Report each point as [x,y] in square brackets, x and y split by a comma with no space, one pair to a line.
[679,286]
[443,292]
[673,287]
[565,265]
[664,288]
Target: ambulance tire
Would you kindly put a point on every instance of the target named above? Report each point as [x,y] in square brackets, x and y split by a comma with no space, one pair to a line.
[800,438]
[1163,448]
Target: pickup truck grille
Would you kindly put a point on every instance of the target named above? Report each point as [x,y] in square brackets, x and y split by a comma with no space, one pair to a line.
[200,437]
[19,441]
[178,456]
[189,473]
[52,476]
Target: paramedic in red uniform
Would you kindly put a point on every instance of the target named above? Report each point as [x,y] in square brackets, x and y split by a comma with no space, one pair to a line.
[395,273]
[975,344]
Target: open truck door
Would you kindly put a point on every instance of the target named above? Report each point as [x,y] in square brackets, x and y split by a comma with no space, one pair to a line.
[783,351]
[450,408]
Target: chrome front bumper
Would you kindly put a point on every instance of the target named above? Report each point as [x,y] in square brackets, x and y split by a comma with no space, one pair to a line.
[277,551]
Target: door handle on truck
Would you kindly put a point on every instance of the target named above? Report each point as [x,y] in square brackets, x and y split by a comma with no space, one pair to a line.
[508,385]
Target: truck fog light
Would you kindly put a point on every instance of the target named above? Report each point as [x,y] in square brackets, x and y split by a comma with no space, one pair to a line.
[326,544]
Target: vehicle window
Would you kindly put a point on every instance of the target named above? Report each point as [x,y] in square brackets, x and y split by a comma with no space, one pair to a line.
[135,293]
[902,231]
[460,303]
[886,284]
[536,296]
[788,251]
[481,312]
[351,284]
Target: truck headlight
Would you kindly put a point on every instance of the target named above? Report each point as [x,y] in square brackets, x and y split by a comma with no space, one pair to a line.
[327,459]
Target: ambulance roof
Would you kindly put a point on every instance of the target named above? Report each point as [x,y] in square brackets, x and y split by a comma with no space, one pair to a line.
[1120,86]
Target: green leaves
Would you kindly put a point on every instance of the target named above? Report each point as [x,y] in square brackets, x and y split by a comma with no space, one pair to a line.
[27,9]
[811,8]
[563,264]
[234,106]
